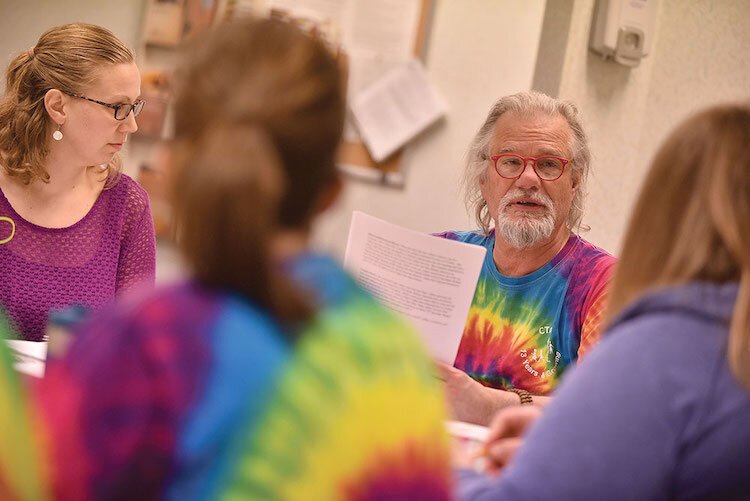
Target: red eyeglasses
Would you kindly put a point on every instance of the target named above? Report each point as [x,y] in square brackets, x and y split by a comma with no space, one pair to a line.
[547,167]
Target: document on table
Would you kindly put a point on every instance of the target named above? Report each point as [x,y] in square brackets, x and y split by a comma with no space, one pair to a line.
[468,445]
[28,356]
[429,280]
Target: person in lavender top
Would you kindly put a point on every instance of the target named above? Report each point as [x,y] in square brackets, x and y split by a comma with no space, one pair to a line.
[74,230]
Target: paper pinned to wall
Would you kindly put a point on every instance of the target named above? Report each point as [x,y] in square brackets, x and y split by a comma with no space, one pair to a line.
[370,37]
[395,108]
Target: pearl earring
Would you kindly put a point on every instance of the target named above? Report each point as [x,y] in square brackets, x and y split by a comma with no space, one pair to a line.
[58,135]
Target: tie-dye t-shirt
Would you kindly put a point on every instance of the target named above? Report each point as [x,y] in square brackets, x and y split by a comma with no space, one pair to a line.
[523,332]
[22,475]
[196,394]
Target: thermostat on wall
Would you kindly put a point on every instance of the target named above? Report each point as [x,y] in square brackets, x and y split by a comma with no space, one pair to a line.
[622,30]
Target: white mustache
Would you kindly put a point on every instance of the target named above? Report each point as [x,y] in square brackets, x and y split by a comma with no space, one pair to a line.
[534,196]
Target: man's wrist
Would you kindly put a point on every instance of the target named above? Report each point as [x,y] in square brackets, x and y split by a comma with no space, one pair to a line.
[501,399]
[494,400]
[524,396]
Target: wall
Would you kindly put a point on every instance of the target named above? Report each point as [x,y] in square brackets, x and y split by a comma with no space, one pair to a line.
[699,57]
[478,50]
[22,21]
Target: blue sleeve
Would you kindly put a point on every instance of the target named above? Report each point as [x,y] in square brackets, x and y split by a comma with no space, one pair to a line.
[609,433]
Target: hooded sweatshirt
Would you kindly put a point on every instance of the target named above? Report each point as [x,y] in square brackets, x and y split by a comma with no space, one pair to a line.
[652,413]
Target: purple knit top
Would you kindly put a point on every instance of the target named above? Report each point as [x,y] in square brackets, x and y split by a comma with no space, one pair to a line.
[111,249]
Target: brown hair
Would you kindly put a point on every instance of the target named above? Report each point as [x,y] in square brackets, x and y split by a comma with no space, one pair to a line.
[66,58]
[692,220]
[258,117]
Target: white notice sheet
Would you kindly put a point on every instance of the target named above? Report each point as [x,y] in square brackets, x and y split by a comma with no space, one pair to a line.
[395,108]
[429,280]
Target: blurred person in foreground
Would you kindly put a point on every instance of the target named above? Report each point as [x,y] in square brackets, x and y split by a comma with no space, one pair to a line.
[660,408]
[270,374]
[23,472]
[538,306]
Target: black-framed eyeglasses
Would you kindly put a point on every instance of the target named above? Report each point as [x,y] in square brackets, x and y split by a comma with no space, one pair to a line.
[547,167]
[121,110]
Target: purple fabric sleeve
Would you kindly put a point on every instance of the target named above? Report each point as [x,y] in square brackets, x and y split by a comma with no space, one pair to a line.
[88,263]
[137,263]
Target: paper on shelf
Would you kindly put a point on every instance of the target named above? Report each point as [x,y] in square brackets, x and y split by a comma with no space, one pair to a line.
[395,108]
[428,280]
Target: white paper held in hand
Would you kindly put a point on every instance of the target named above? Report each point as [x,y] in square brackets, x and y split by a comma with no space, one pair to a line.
[428,280]
[395,108]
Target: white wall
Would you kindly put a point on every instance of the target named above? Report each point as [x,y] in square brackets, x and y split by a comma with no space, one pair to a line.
[478,50]
[699,57]
[22,21]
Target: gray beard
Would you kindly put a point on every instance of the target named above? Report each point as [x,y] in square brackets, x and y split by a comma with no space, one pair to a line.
[528,231]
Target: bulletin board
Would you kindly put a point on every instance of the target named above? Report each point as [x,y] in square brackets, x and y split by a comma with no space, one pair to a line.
[371,37]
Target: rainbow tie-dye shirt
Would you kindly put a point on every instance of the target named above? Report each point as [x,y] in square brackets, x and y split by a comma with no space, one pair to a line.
[22,469]
[523,332]
[196,394]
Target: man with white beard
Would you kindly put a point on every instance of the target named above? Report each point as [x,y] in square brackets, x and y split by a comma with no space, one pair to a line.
[540,297]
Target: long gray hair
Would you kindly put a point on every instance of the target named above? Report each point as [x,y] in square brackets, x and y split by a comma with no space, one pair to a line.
[525,103]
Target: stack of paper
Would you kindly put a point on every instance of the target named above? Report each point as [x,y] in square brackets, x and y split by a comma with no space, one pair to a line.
[468,445]
[28,356]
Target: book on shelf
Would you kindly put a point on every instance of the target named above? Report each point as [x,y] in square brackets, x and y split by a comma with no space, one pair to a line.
[171,22]
[155,92]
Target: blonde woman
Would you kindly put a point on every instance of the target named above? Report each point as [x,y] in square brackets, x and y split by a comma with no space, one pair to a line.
[73,229]
[660,410]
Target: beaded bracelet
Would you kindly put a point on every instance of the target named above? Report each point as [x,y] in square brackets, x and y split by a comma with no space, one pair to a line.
[525,396]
